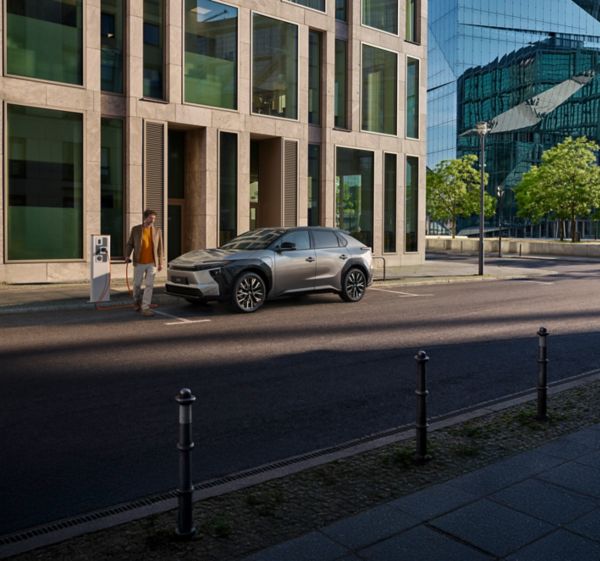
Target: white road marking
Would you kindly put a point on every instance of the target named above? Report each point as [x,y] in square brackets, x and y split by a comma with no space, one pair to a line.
[186,321]
[405,294]
[180,321]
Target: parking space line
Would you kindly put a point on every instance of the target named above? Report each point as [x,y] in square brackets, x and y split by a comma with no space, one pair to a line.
[400,293]
[180,321]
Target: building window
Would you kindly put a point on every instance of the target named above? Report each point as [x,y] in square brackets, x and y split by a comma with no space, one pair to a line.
[314,4]
[154,31]
[228,187]
[412,21]
[341,10]
[45,184]
[354,193]
[274,67]
[381,14]
[111,183]
[314,77]
[111,45]
[412,98]
[389,204]
[44,39]
[211,53]
[314,183]
[379,90]
[412,204]
[341,84]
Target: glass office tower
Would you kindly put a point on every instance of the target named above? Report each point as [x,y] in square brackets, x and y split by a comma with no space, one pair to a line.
[486,57]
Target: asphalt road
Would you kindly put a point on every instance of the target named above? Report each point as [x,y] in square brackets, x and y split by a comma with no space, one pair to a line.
[88,416]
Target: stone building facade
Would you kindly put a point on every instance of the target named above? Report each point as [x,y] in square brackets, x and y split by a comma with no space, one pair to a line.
[221,116]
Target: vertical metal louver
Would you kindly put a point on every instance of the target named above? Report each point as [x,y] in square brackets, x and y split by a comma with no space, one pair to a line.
[154,171]
[290,182]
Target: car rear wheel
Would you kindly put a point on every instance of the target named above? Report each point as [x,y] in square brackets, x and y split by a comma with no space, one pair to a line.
[354,285]
[249,292]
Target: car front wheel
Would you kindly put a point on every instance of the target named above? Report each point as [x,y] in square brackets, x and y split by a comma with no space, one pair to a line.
[354,285]
[249,292]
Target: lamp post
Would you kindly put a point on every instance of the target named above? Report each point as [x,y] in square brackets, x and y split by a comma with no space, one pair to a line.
[500,193]
[482,128]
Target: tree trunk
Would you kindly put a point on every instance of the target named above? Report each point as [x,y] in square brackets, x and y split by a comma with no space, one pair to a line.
[573,228]
[453,227]
[561,229]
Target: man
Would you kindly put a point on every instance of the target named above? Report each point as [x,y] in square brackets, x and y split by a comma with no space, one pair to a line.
[146,243]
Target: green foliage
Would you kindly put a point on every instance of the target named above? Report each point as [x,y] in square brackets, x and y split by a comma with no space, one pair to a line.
[453,191]
[566,184]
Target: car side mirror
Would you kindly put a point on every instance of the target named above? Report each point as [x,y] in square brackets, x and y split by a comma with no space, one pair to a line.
[287,246]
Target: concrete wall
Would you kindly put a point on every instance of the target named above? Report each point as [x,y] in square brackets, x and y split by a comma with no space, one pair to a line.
[470,246]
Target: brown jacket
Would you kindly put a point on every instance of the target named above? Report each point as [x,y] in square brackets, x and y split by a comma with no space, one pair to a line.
[135,243]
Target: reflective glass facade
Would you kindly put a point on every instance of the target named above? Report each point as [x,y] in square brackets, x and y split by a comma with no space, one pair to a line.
[44,39]
[486,57]
[314,183]
[274,67]
[211,53]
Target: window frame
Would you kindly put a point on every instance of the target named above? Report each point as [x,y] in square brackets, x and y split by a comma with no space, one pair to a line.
[237,56]
[84,248]
[398,11]
[408,155]
[322,12]
[360,97]
[335,174]
[418,99]
[165,98]
[252,112]
[383,206]
[83,84]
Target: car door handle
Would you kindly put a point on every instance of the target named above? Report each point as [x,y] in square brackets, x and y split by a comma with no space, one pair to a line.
[310,259]
[343,256]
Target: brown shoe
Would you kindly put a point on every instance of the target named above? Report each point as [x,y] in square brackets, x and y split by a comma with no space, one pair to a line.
[147,313]
[137,306]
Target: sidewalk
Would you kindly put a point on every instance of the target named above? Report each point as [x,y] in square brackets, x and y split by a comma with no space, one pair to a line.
[437,269]
[539,505]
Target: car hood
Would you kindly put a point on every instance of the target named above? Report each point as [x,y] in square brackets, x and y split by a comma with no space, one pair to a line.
[201,256]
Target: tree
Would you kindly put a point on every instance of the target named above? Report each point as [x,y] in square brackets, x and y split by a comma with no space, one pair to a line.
[453,191]
[565,185]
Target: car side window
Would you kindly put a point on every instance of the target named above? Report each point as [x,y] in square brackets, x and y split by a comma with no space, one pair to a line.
[324,239]
[300,238]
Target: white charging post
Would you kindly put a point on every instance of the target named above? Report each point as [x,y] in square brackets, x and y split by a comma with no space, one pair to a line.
[100,269]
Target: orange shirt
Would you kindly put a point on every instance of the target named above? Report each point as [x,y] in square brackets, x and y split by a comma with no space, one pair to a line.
[147,247]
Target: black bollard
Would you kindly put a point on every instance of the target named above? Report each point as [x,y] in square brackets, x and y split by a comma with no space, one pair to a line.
[185,522]
[542,387]
[421,426]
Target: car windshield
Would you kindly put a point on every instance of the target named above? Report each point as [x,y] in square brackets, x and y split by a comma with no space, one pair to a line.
[255,239]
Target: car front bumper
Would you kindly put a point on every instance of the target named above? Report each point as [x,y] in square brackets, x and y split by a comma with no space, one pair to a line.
[197,285]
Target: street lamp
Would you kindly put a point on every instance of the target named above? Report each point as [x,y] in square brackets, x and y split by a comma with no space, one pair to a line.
[482,128]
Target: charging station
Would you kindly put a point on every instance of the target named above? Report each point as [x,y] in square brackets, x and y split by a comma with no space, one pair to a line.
[100,269]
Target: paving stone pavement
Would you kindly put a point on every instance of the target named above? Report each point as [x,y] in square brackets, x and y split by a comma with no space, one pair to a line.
[541,505]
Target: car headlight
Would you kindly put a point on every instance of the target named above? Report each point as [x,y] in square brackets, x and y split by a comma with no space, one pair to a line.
[207,266]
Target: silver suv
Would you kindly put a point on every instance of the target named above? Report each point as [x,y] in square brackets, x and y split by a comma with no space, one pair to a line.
[271,262]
